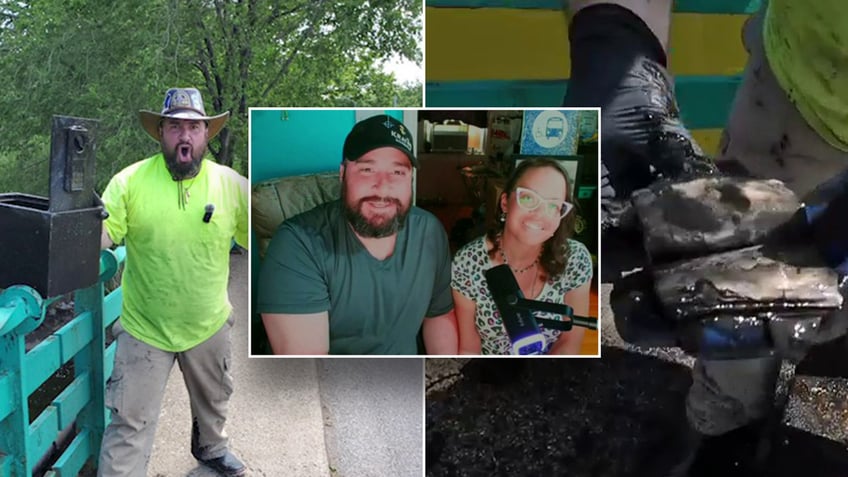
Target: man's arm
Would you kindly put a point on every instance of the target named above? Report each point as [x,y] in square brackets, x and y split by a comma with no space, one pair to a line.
[440,331]
[440,334]
[292,295]
[469,337]
[298,334]
[242,233]
[105,240]
[114,227]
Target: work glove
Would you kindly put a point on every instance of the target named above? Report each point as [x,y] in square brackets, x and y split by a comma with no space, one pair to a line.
[618,64]
[733,271]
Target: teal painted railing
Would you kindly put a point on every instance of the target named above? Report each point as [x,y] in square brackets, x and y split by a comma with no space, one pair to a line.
[704,100]
[78,412]
[709,96]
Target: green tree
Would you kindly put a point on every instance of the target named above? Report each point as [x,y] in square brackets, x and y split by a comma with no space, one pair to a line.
[410,93]
[92,58]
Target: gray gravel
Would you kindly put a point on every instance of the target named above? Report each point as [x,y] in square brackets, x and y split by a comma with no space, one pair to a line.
[602,417]
[820,405]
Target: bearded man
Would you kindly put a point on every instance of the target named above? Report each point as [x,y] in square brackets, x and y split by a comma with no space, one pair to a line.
[363,274]
[178,214]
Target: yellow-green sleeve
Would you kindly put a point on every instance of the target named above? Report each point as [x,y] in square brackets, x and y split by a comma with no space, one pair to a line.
[115,201]
[242,227]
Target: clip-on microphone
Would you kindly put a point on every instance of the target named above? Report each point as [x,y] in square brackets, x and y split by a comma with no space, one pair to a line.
[207,216]
[517,313]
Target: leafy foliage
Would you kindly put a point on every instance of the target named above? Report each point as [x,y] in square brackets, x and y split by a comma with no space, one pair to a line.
[93,58]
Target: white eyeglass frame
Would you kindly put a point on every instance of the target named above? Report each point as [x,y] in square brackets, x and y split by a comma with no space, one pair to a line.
[565,205]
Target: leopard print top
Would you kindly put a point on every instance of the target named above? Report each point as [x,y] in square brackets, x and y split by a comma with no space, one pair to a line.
[467,269]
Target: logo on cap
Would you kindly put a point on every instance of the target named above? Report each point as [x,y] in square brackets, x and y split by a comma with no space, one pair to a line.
[399,134]
[178,98]
[402,139]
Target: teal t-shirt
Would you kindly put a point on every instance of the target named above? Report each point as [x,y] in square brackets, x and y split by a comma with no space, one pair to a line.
[175,277]
[316,263]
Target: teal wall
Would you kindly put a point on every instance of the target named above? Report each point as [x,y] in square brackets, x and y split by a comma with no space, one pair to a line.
[286,142]
[294,142]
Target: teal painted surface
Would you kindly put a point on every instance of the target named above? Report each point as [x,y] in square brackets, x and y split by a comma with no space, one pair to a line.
[290,142]
[295,142]
[93,418]
[74,457]
[110,358]
[682,6]
[112,307]
[496,93]
[75,335]
[704,100]
[42,432]
[14,428]
[397,114]
[40,363]
[20,310]
[81,341]
[73,399]
[6,395]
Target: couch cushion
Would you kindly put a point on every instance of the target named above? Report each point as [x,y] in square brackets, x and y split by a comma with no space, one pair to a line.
[276,200]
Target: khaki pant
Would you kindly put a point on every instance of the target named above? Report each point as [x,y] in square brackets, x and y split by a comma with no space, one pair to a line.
[767,135]
[134,395]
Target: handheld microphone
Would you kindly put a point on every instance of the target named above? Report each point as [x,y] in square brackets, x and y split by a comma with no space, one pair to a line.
[208,215]
[520,324]
[517,313]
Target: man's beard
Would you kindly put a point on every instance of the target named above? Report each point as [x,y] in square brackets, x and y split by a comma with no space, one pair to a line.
[183,170]
[379,228]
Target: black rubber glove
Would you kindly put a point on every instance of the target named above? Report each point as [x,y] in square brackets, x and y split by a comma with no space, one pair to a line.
[731,299]
[618,64]
[820,221]
[829,228]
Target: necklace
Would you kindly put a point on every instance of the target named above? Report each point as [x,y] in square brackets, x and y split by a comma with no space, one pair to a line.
[522,270]
[533,288]
[183,194]
[515,270]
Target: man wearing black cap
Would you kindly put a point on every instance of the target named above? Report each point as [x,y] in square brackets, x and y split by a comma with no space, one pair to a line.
[177,214]
[360,274]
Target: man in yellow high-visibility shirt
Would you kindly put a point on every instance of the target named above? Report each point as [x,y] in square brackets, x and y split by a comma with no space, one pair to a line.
[178,213]
[788,121]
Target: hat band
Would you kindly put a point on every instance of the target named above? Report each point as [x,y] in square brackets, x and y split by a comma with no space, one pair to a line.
[178,112]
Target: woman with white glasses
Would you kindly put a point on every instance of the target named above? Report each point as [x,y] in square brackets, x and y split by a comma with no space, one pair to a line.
[531,235]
